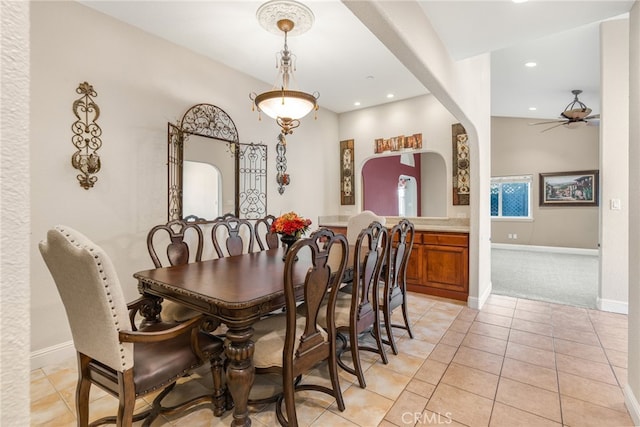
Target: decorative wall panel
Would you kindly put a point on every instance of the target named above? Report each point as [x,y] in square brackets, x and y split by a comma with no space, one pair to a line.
[461,158]
[347,184]
[253,181]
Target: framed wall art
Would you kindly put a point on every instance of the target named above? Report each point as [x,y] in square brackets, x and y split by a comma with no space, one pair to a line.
[347,184]
[461,164]
[578,188]
[398,143]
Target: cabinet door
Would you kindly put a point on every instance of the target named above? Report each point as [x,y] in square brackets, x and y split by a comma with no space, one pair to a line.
[414,266]
[446,267]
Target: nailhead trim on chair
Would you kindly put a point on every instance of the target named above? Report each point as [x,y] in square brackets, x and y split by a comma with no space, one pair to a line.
[106,285]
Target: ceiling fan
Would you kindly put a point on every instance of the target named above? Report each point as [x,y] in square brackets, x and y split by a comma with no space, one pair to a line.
[574,115]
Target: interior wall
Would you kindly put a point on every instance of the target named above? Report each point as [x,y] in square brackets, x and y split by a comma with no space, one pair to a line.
[434,185]
[14,213]
[521,149]
[614,146]
[423,114]
[632,389]
[142,82]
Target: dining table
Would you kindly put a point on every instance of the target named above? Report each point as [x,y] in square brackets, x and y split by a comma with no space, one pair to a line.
[237,291]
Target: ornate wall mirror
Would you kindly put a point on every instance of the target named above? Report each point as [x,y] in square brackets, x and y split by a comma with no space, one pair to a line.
[203,164]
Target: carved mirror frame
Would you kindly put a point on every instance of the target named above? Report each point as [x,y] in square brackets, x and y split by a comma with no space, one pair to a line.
[204,120]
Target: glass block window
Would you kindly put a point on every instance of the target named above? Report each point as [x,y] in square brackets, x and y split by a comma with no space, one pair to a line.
[511,196]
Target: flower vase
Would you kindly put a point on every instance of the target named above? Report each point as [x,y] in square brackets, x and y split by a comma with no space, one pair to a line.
[288,240]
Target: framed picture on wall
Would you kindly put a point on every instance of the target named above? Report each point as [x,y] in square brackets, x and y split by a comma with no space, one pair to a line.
[578,188]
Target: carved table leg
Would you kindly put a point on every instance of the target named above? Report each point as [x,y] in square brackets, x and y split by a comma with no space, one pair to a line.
[240,372]
[149,306]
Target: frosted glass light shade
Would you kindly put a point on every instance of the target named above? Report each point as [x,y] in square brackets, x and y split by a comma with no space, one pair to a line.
[289,104]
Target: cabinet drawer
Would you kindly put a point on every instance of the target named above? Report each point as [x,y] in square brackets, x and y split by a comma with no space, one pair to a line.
[417,239]
[446,239]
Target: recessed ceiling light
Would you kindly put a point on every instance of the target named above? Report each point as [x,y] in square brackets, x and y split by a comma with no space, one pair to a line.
[357,103]
[532,108]
[389,95]
[519,1]
[530,64]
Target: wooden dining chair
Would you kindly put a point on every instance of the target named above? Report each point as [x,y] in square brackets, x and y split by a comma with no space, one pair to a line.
[113,354]
[265,238]
[292,343]
[232,236]
[183,243]
[357,311]
[181,239]
[205,225]
[394,292]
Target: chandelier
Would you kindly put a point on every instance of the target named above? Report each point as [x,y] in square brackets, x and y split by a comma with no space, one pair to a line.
[285,105]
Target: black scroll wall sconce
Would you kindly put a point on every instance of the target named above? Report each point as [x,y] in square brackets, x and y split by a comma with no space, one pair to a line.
[86,136]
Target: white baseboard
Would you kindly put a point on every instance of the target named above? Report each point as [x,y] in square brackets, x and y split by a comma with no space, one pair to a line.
[478,303]
[553,249]
[612,306]
[632,405]
[52,355]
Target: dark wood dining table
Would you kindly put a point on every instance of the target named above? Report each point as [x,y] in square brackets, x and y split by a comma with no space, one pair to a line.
[237,291]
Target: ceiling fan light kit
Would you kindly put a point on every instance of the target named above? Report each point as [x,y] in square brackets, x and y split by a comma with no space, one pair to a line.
[576,110]
[285,105]
[575,115]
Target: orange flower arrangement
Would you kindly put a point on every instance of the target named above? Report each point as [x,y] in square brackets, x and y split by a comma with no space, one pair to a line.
[290,224]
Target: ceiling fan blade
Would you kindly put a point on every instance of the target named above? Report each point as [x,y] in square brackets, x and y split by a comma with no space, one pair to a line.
[595,116]
[559,124]
[546,123]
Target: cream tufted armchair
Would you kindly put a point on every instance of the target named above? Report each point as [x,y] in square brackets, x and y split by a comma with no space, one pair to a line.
[125,362]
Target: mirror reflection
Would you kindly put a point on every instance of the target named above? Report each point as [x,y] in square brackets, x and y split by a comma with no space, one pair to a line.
[208,175]
[409,184]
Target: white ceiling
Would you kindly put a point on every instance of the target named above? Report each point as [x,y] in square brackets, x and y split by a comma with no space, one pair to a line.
[340,58]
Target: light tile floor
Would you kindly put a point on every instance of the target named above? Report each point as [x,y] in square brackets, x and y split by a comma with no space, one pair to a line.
[516,362]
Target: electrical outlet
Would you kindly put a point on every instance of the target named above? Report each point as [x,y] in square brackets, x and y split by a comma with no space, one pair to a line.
[515,236]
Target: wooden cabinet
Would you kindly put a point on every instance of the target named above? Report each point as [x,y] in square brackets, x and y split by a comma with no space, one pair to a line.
[439,265]
[414,268]
[338,230]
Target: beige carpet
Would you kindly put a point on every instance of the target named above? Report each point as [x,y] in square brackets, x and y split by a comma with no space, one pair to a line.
[545,276]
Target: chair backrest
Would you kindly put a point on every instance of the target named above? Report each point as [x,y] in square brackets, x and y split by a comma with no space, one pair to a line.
[368,259]
[183,241]
[265,238]
[232,236]
[400,244]
[360,221]
[322,278]
[90,290]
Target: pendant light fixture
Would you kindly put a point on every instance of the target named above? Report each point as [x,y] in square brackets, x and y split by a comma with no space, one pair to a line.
[284,104]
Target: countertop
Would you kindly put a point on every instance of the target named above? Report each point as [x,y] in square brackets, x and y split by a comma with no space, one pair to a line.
[452,225]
